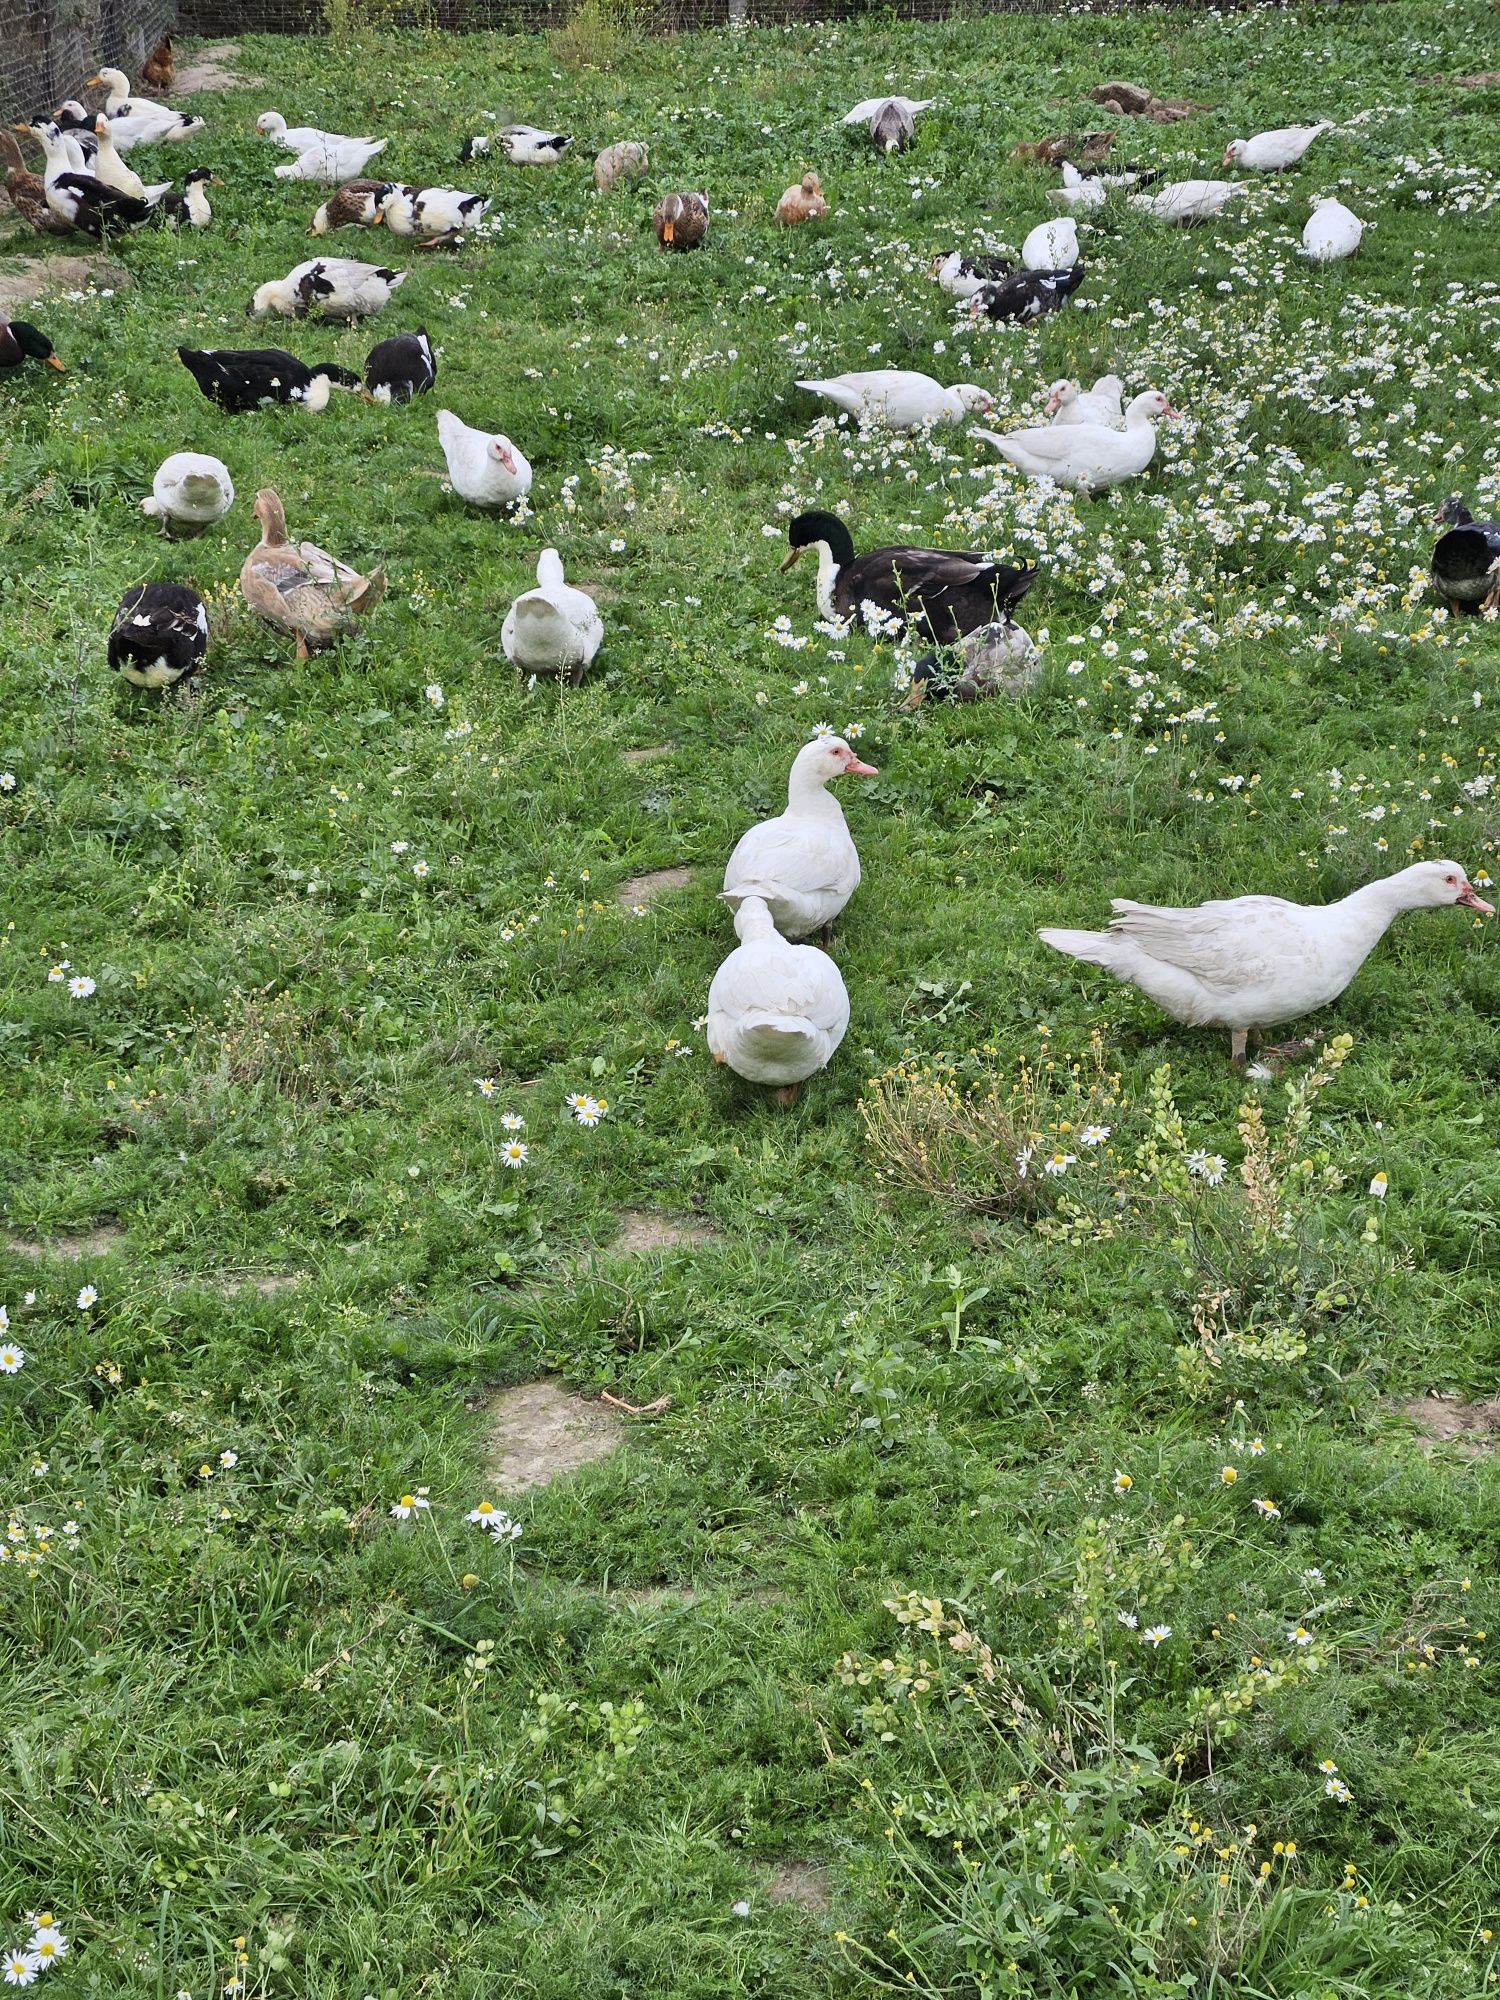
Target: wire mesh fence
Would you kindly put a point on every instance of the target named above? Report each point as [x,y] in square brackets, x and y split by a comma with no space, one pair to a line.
[49,48]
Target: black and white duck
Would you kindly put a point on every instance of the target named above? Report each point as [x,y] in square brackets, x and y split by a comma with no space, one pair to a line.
[240,379]
[1027,295]
[1466,560]
[940,593]
[993,659]
[400,368]
[964,276]
[20,341]
[160,635]
[190,209]
[81,199]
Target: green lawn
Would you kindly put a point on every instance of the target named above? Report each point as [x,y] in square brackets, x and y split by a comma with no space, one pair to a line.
[398,1759]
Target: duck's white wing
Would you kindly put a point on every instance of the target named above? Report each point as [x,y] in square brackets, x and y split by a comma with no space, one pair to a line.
[1106,394]
[862,113]
[1223,944]
[782,856]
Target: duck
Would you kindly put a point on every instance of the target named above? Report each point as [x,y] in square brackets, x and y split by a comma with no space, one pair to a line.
[1088,458]
[998,658]
[300,588]
[28,192]
[1051,246]
[776,1011]
[803,864]
[625,161]
[892,120]
[400,368]
[681,220]
[1272,152]
[21,341]
[939,593]
[964,276]
[523,146]
[1466,559]
[555,629]
[900,398]
[80,199]
[108,167]
[149,129]
[484,469]
[71,116]
[298,138]
[438,216]
[1077,149]
[190,209]
[190,492]
[1252,962]
[1027,295]
[159,70]
[1078,190]
[356,204]
[1068,404]
[1331,233]
[160,635]
[337,160]
[240,379]
[803,202]
[335,287]
[1187,201]
[119,103]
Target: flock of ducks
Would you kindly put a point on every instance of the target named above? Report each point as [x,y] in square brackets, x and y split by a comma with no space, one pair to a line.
[778,1007]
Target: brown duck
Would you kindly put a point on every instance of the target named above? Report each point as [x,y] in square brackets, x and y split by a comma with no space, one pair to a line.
[28,192]
[300,588]
[681,221]
[803,203]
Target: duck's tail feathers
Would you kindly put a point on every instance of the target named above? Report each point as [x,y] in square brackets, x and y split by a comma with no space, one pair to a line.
[785,1040]
[151,506]
[371,593]
[1093,947]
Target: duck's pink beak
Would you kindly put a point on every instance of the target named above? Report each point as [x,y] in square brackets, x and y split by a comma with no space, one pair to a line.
[1170,412]
[1229,156]
[506,458]
[858,770]
[1052,401]
[1470,901]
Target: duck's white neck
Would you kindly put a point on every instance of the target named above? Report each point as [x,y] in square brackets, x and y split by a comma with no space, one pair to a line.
[1372,909]
[808,797]
[196,202]
[828,571]
[752,920]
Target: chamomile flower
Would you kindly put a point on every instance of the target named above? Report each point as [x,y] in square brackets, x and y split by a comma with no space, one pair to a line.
[1379,1186]
[590,1112]
[1122,1482]
[48,1946]
[512,1121]
[1156,1635]
[12,1360]
[485,1085]
[22,1968]
[87,1297]
[1267,1508]
[1128,1619]
[434,694]
[408,1505]
[514,1153]
[1093,1135]
[1228,1475]
[1299,1636]
[1059,1164]
[420,870]
[81,987]
[229,1460]
[60,971]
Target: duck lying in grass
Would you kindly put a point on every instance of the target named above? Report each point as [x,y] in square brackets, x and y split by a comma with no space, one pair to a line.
[681,220]
[554,630]
[190,209]
[964,276]
[240,379]
[940,593]
[1027,295]
[993,659]
[627,161]
[160,635]
[485,469]
[802,203]
[335,287]
[300,588]
[357,204]
[436,216]
[335,159]
[903,399]
[1088,458]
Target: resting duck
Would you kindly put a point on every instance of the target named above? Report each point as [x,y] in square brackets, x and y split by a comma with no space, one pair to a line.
[1079,149]
[1088,458]
[28,192]
[1027,295]
[356,204]
[1466,560]
[240,379]
[939,593]
[160,635]
[437,216]
[681,220]
[190,492]
[891,120]
[336,287]
[21,341]
[900,398]
[530,146]
[301,588]
[995,659]
[336,159]
[1331,233]
[555,629]
[1254,961]
[803,864]
[626,161]
[190,209]
[1187,201]
[1079,191]
[1270,152]
[964,276]
[1051,246]
[112,170]
[1068,404]
[776,1011]
[400,368]
[119,103]
[485,470]
[802,203]
[296,138]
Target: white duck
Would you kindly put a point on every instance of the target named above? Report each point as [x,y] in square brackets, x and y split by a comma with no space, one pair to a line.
[802,864]
[336,287]
[435,215]
[1269,152]
[119,103]
[776,1011]
[1077,190]
[1254,961]
[891,119]
[189,493]
[108,167]
[1331,233]
[1089,458]
[484,469]
[901,398]
[333,160]
[1051,246]
[556,628]
[296,138]
[1187,201]
[1068,404]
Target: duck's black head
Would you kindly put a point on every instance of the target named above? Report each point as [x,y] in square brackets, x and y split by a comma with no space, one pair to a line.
[1453,513]
[34,343]
[199,175]
[810,529]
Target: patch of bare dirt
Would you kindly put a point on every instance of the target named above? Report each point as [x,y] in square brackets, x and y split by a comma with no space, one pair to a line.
[540,1431]
[40,275]
[654,1597]
[645,756]
[208,70]
[1473,1427]
[642,1231]
[646,888]
[804,1883]
[96,1242]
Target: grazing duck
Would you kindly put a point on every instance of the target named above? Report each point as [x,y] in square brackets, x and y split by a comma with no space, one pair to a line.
[28,192]
[336,160]
[964,276]
[1078,190]
[681,220]
[555,629]
[190,209]
[900,398]
[190,492]
[400,368]
[335,287]
[357,204]
[1027,295]
[803,864]
[1466,560]
[530,146]
[776,1011]
[240,379]
[1068,404]
[21,341]
[891,120]
[1331,233]
[159,70]
[437,216]
[1271,152]
[802,203]
[1088,458]
[940,593]
[160,635]
[300,588]
[1078,149]
[1051,246]
[112,170]
[626,161]
[484,469]
[994,659]
[1255,961]
[1186,202]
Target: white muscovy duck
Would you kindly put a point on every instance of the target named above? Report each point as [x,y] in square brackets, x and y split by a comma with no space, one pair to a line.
[555,629]
[1254,961]
[484,468]
[803,864]
[1068,404]
[189,493]
[296,138]
[336,287]
[1078,190]
[1051,246]
[1187,201]
[901,398]
[1331,233]
[776,1011]
[1088,458]
[1270,152]
[333,160]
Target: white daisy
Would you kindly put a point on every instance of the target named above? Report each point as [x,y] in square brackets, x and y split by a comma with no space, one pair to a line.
[81,987]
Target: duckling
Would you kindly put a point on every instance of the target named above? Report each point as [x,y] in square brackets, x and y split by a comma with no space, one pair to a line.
[190,492]
[190,209]
[20,341]
[240,379]
[555,629]
[681,221]
[336,287]
[159,70]
[28,192]
[438,216]
[400,368]
[803,203]
[626,161]
[300,588]
[160,635]
[357,203]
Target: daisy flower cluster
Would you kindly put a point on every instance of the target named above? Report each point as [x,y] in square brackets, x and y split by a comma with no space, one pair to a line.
[495,1522]
[45,1948]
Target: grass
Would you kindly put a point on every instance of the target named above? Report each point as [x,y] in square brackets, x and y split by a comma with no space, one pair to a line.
[397,1760]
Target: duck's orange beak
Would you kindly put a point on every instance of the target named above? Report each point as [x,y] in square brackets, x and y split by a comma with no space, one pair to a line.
[668,230]
[53,362]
